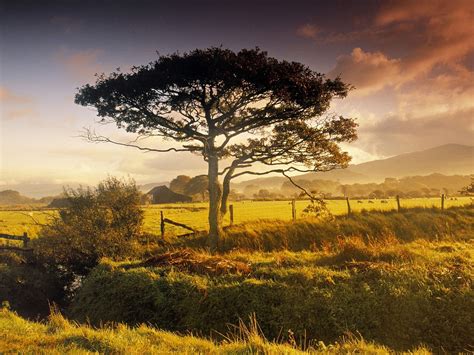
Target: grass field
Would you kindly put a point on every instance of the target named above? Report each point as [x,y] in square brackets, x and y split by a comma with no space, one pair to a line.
[401,281]
[20,220]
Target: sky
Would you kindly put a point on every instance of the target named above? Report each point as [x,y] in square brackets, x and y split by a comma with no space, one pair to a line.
[411,63]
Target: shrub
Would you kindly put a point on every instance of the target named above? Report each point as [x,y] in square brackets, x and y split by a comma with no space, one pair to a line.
[101,222]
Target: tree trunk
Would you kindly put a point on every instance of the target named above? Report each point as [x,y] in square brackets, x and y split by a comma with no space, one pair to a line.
[215,217]
[226,191]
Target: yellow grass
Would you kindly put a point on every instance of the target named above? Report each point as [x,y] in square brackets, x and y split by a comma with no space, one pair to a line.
[18,221]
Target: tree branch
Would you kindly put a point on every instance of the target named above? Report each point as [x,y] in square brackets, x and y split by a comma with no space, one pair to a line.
[94,138]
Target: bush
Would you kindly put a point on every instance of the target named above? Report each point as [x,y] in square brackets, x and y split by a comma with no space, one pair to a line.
[101,222]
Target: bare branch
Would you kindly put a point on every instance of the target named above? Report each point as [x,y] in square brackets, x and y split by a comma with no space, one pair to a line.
[92,137]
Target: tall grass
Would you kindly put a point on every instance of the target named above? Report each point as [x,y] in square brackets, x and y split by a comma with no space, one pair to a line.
[311,233]
[59,336]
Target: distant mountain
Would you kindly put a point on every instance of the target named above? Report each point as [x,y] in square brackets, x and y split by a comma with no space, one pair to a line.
[147,187]
[40,189]
[11,197]
[449,159]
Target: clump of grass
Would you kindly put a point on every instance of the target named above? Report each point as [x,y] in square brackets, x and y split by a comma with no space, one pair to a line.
[348,249]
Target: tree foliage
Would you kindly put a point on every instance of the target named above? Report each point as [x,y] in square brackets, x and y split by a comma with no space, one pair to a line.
[198,185]
[178,184]
[469,189]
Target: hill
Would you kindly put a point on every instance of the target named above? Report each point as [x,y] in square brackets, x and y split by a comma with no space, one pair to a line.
[449,159]
[446,159]
[12,197]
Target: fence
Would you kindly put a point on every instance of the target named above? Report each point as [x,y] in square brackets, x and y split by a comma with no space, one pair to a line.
[24,238]
[193,217]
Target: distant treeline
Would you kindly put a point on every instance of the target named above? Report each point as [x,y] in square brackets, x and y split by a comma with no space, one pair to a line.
[407,187]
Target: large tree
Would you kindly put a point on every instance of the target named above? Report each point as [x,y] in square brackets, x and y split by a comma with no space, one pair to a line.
[256,113]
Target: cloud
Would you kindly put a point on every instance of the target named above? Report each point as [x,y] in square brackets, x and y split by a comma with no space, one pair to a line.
[367,71]
[81,64]
[14,106]
[394,134]
[9,97]
[308,31]
[166,164]
[430,33]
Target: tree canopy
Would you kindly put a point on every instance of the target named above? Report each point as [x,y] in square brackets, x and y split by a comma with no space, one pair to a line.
[257,113]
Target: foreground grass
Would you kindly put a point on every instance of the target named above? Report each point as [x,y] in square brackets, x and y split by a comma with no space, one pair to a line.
[59,336]
[402,295]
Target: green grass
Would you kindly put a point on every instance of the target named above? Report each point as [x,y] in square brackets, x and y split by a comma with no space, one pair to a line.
[456,223]
[17,221]
[59,336]
[402,295]
[403,280]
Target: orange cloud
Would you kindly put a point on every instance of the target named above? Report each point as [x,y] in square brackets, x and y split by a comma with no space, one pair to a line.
[308,31]
[434,33]
[367,71]
[81,64]
[9,97]
[15,106]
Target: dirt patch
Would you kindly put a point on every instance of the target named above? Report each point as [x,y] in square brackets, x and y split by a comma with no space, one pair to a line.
[191,261]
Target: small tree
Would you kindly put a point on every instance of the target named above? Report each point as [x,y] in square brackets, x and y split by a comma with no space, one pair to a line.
[469,189]
[245,107]
[101,222]
[179,183]
[198,185]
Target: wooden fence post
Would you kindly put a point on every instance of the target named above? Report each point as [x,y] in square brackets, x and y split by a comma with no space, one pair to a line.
[348,206]
[398,203]
[162,225]
[442,202]
[293,210]
[231,213]
[25,240]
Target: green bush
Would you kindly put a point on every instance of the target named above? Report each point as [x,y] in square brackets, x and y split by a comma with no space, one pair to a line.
[101,222]
[401,299]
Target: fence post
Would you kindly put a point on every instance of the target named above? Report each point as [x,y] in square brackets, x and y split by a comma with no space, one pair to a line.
[348,207]
[398,203]
[162,225]
[231,213]
[442,202]
[25,240]
[293,210]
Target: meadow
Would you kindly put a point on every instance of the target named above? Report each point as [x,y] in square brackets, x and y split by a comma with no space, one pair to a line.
[28,218]
[374,282]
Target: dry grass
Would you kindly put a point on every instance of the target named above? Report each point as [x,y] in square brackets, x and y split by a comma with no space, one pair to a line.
[189,260]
